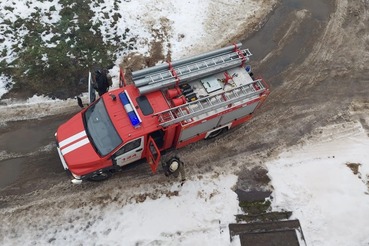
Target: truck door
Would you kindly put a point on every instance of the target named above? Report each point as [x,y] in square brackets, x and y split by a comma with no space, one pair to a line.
[128,153]
[152,154]
[91,89]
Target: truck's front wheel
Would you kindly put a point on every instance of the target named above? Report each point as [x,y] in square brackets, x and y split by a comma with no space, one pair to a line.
[100,176]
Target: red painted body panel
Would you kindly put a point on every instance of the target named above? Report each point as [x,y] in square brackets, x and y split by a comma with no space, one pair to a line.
[242,120]
[81,159]
[170,134]
[191,140]
[120,118]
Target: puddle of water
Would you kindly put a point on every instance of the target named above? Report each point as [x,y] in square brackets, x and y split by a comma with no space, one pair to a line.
[10,171]
[262,43]
[319,9]
[22,140]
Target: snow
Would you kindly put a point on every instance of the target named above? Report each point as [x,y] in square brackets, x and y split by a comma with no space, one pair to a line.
[3,82]
[315,183]
[35,108]
[198,215]
[188,26]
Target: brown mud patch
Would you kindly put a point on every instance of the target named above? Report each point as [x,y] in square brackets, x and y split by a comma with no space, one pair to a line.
[354,167]
[159,52]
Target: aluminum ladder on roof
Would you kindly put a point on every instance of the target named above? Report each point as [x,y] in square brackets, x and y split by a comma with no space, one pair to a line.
[198,66]
[210,103]
[211,62]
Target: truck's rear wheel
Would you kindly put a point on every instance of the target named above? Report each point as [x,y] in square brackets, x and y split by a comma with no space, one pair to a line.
[215,133]
[100,176]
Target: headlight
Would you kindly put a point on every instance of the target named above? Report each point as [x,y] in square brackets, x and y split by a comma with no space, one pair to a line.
[75,176]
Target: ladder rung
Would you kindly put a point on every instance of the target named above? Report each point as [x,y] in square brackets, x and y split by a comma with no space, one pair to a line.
[218,100]
[181,112]
[233,93]
[191,110]
[226,96]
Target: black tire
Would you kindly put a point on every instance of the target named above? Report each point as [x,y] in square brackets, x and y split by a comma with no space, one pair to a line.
[215,134]
[100,176]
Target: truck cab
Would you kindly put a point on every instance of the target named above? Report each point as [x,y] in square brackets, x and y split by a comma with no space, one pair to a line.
[104,137]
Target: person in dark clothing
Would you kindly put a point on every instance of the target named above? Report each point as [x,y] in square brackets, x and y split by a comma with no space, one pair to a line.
[174,166]
[102,81]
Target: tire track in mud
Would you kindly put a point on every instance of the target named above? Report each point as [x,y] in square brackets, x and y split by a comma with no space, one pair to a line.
[327,81]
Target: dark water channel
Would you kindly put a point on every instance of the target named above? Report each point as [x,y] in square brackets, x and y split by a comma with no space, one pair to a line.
[21,141]
[25,140]
[10,170]
[298,47]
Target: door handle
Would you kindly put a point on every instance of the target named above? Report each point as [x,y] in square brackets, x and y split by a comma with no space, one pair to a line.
[139,150]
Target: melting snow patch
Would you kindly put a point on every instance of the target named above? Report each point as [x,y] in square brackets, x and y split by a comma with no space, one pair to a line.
[315,183]
[5,84]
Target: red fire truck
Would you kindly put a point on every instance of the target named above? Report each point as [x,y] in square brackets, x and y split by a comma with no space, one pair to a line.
[167,106]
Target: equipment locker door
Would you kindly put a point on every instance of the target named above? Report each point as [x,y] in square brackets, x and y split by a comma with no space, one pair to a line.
[128,153]
[152,154]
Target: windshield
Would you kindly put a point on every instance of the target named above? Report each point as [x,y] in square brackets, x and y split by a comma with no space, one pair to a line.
[100,129]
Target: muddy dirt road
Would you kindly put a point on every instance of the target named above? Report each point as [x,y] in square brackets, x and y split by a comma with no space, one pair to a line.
[314,57]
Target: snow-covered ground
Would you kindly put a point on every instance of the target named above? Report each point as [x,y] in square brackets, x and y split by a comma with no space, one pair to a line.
[315,182]
[198,215]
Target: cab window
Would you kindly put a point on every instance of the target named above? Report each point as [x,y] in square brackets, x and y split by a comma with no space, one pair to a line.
[129,146]
[100,129]
[144,105]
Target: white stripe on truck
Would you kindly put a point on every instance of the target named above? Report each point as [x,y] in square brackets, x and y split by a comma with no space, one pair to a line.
[75,146]
[72,139]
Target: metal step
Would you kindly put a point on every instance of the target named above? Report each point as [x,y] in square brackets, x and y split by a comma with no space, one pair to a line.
[272,238]
[237,229]
[276,233]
